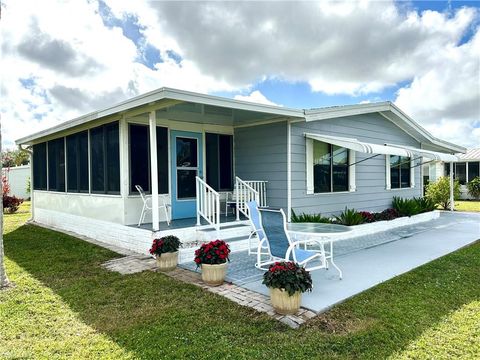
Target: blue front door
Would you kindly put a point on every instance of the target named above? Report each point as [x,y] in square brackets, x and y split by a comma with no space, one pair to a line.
[187,163]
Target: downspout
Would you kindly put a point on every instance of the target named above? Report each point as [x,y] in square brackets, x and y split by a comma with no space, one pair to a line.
[289,170]
[32,207]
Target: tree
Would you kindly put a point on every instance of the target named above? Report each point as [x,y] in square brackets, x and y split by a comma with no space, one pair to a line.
[473,187]
[11,158]
[3,273]
[439,191]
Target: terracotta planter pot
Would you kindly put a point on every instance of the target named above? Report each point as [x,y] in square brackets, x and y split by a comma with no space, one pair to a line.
[167,261]
[214,275]
[283,303]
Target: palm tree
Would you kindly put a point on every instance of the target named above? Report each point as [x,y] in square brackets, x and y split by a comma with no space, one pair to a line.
[3,273]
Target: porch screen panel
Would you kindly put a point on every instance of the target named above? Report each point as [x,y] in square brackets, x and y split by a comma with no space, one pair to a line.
[139,158]
[105,159]
[473,170]
[56,165]
[97,160]
[212,160]
[112,147]
[162,159]
[140,171]
[219,161]
[77,162]
[226,161]
[40,166]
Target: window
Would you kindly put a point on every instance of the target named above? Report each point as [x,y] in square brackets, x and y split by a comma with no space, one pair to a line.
[330,168]
[40,166]
[473,170]
[77,162]
[219,161]
[105,159]
[140,172]
[400,172]
[56,165]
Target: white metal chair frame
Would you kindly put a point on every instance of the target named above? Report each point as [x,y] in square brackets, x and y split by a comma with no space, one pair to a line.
[255,232]
[147,205]
[290,253]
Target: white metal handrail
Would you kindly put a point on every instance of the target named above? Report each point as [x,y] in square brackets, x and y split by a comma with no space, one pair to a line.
[244,193]
[261,188]
[208,204]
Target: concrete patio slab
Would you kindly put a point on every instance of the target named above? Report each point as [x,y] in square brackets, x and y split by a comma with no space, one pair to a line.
[366,268]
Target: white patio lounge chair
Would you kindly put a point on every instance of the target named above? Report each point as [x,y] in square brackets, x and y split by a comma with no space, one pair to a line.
[282,248]
[256,229]
[147,205]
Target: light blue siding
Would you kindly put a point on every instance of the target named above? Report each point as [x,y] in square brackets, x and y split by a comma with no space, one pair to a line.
[371,193]
[261,154]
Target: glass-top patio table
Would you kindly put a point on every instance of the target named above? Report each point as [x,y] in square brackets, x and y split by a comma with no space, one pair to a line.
[323,233]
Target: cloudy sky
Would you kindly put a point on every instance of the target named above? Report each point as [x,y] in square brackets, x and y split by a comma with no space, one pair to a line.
[61,59]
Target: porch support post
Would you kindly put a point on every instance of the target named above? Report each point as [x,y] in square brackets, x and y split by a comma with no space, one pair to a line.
[452,204]
[152,122]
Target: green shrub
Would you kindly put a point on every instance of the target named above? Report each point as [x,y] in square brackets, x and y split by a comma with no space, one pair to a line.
[310,218]
[474,188]
[439,191]
[405,207]
[425,204]
[349,217]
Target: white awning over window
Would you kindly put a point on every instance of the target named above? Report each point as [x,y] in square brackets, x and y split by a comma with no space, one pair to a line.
[354,144]
[434,155]
[387,149]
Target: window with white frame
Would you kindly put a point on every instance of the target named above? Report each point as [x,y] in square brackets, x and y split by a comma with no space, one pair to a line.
[399,172]
[329,168]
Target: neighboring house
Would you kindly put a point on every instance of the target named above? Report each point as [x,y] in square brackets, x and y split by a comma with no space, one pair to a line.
[18,178]
[173,143]
[465,170]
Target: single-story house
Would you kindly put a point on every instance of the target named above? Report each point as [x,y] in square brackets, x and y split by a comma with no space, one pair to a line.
[190,150]
[465,170]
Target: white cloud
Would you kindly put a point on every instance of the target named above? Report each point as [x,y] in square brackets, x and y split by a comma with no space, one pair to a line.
[72,64]
[446,99]
[256,97]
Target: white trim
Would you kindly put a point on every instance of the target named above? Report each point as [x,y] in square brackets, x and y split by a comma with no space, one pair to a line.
[352,186]
[309,165]
[154,170]
[388,184]
[412,173]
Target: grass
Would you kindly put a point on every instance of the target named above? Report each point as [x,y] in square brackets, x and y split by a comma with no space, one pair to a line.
[469,205]
[65,305]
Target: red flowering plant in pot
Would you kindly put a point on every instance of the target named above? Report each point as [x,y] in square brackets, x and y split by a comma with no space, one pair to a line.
[212,257]
[287,281]
[165,250]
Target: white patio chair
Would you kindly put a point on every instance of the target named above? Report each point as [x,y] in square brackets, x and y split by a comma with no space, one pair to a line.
[256,229]
[282,248]
[147,205]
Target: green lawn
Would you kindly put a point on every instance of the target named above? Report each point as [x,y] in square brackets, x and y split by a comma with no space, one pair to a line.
[467,205]
[64,305]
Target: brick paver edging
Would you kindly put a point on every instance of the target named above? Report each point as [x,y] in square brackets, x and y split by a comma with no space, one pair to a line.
[242,297]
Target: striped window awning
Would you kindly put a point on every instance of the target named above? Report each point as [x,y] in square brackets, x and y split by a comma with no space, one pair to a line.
[387,149]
